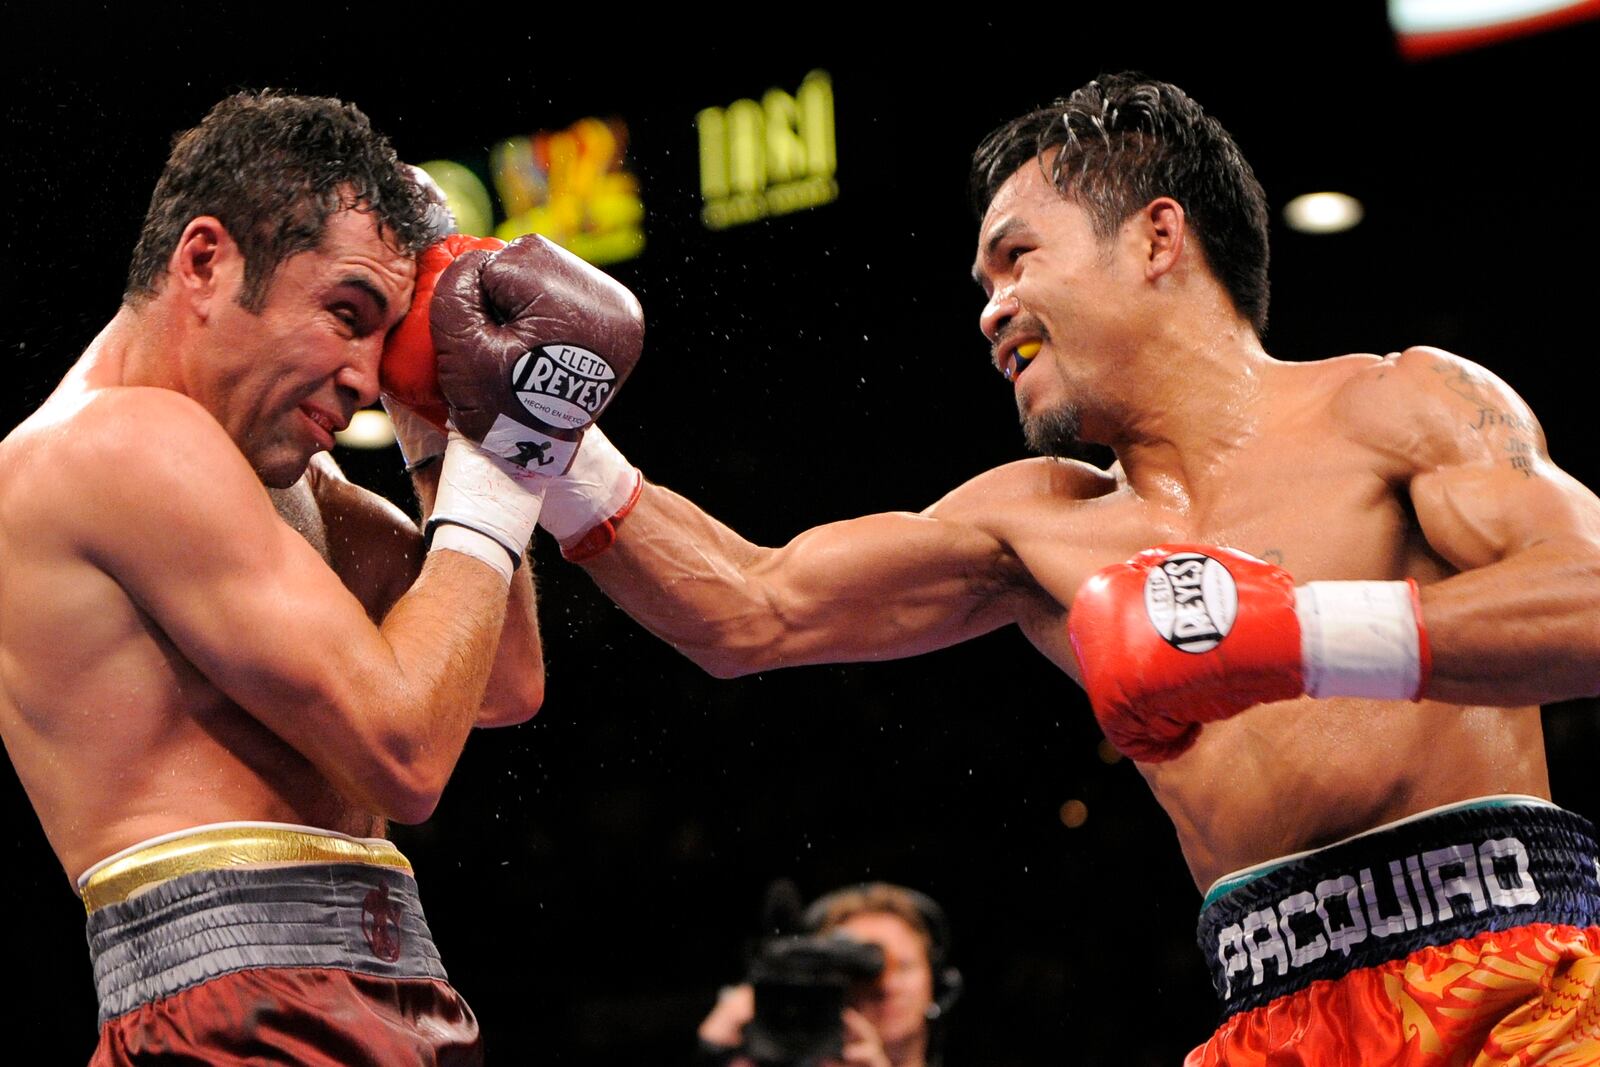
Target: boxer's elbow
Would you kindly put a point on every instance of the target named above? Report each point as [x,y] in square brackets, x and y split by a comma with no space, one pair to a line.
[514,701]
[409,795]
[525,705]
[407,777]
[722,665]
[715,651]
[414,813]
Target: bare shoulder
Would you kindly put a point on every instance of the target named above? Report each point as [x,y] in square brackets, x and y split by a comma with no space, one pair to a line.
[1424,408]
[1024,484]
[124,458]
[124,424]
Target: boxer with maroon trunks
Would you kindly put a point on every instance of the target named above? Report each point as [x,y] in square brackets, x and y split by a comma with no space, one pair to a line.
[1403,891]
[223,667]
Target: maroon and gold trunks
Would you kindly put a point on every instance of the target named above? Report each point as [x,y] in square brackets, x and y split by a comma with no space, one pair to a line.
[259,943]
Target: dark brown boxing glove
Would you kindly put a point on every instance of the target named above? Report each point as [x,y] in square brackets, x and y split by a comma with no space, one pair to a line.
[532,343]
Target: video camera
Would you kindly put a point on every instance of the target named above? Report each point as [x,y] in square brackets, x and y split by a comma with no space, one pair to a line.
[802,986]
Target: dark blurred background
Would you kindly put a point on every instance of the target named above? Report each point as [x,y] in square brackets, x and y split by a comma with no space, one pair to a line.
[593,876]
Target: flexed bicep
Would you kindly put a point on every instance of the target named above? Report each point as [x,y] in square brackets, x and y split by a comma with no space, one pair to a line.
[1520,623]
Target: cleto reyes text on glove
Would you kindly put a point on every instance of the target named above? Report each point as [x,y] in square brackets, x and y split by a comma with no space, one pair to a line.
[532,344]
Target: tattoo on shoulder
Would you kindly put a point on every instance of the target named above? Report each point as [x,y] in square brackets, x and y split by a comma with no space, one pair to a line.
[1488,418]
[1521,455]
[1273,556]
[1489,412]
[1464,381]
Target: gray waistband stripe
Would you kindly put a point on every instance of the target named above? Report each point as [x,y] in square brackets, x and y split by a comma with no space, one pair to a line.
[351,917]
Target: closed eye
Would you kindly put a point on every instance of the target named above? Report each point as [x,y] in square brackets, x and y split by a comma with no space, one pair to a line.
[358,305]
[350,317]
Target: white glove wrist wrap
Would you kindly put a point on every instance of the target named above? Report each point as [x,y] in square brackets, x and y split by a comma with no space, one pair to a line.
[479,494]
[448,537]
[1361,639]
[599,484]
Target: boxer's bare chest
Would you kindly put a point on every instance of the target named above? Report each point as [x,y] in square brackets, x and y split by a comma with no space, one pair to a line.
[1274,780]
[1309,502]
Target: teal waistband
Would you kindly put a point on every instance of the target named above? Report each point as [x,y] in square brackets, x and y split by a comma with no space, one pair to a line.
[1238,879]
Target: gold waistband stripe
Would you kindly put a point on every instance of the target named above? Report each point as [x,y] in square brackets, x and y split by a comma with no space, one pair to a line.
[231,846]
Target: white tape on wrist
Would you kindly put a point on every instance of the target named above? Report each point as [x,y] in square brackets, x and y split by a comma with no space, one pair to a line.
[448,537]
[486,496]
[599,484]
[1360,639]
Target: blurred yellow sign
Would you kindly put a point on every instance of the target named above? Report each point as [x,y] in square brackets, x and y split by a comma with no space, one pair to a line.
[768,158]
[568,185]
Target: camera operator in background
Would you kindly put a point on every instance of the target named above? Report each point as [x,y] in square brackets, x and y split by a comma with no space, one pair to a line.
[890,1000]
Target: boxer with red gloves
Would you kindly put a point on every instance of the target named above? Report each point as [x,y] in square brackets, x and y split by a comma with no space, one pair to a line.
[1271,715]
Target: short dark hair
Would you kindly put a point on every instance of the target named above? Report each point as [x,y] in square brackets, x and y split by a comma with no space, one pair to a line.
[1122,141]
[272,167]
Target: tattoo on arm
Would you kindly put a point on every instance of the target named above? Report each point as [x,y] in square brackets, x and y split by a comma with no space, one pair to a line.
[1521,454]
[1465,382]
[1491,417]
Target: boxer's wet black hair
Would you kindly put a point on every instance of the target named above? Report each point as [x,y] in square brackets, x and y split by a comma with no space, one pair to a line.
[1122,141]
[272,167]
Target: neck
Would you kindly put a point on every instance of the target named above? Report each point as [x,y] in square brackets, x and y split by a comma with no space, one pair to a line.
[137,347]
[1192,396]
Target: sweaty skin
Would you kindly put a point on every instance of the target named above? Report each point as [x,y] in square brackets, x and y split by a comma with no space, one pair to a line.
[179,647]
[1417,465]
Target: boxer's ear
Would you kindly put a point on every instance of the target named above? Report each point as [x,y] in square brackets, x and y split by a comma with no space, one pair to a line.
[1162,227]
[205,261]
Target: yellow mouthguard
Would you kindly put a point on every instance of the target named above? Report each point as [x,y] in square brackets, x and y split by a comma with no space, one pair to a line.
[1029,350]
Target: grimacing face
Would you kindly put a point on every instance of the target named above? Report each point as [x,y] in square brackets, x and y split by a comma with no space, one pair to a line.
[1057,305]
[283,381]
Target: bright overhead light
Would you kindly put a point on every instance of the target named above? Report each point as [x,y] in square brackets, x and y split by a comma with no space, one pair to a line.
[367,429]
[1437,16]
[1322,212]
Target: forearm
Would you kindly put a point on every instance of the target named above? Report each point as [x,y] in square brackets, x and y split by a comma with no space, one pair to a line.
[515,689]
[877,587]
[421,686]
[1524,630]
[424,696]
[688,579]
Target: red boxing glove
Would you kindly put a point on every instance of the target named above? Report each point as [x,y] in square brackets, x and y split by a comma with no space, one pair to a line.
[1187,634]
[533,343]
[1182,635]
[409,370]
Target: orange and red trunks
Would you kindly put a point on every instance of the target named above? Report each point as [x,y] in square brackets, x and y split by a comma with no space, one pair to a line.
[1462,936]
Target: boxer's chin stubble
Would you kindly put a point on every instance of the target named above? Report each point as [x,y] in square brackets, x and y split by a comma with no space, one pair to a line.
[1054,432]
